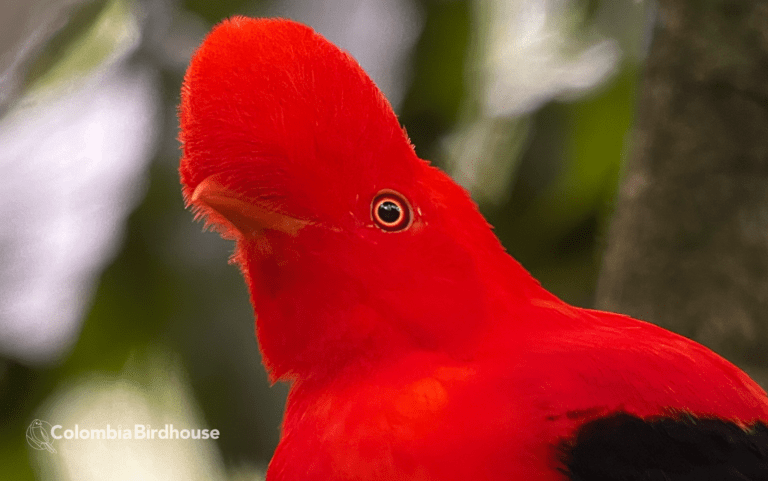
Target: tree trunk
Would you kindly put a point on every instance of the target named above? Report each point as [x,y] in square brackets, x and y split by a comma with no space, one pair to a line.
[688,244]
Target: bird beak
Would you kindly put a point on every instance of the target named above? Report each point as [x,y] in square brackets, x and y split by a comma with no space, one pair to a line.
[231,210]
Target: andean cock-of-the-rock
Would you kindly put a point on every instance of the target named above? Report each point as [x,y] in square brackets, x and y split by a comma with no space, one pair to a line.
[415,346]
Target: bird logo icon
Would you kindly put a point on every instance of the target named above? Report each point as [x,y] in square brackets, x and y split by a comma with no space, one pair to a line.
[39,437]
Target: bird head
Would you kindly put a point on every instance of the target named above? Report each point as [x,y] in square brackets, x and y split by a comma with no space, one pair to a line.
[350,244]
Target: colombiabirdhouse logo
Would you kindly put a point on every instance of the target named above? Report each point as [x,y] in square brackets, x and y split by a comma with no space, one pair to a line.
[41,434]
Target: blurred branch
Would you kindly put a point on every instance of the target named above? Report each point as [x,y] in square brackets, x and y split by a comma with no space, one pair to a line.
[688,246]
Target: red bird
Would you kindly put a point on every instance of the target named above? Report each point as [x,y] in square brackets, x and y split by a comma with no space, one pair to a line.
[415,346]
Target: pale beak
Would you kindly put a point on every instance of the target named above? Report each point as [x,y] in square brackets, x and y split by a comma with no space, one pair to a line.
[247,216]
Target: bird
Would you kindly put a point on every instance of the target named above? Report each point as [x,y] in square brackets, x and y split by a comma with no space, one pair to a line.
[414,345]
[38,436]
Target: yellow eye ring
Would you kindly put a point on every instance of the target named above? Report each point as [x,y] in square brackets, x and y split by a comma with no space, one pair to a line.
[390,211]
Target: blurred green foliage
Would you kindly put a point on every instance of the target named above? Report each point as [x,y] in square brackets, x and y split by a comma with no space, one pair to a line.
[565,185]
[82,20]
[433,101]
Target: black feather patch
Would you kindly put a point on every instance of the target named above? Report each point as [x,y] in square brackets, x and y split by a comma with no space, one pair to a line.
[681,448]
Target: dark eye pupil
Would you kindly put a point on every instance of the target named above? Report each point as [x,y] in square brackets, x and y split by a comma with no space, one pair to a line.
[389,212]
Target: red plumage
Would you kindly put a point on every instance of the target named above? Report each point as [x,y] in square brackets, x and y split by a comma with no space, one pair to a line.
[425,353]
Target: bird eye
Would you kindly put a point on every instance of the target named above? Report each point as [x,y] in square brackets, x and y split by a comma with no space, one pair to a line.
[390,211]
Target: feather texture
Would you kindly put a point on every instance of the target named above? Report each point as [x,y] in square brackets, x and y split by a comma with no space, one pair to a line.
[420,351]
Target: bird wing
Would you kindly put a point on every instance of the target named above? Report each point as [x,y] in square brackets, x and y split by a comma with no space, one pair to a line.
[626,447]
